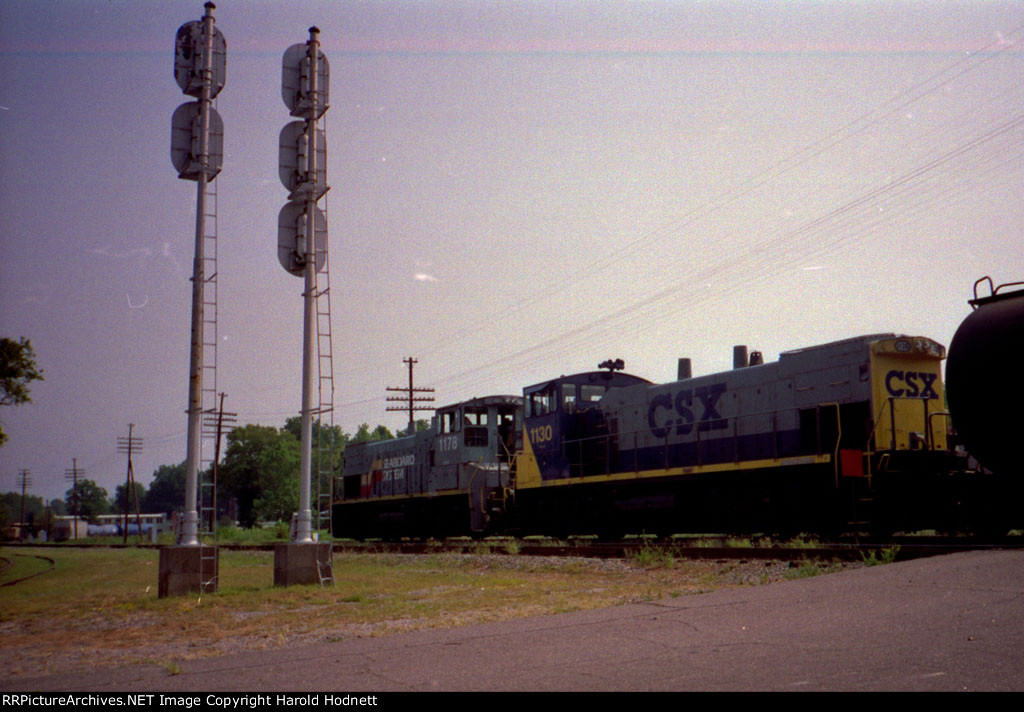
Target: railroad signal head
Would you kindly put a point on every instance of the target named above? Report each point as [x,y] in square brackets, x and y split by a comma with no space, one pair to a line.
[292,236]
[189,44]
[305,92]
[186,132]
[296,156]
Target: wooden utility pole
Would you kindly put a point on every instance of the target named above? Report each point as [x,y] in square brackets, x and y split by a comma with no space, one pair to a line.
[24,480]
[409,399]
[72,475]
[127,446]
[216,425]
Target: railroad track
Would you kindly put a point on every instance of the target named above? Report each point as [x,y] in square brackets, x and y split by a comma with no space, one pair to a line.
[903,548]
[712,547]
[8,563]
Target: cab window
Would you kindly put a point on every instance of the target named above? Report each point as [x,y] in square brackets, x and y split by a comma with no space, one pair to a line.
[475,422]
[541,403]
[450,422]
[568,397]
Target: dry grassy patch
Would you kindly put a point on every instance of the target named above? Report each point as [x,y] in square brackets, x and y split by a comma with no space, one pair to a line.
[99,607]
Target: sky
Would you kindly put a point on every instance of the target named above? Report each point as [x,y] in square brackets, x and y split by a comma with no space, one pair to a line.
[519,190]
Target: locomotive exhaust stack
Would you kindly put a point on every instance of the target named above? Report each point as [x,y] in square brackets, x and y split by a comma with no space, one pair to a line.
[684,371]
[739,357]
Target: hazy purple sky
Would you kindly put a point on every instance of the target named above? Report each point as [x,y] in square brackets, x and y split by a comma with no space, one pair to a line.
[518,190]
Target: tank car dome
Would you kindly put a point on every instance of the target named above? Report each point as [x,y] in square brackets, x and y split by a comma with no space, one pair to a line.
[984,384]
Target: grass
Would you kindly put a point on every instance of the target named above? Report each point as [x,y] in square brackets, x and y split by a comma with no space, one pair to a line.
[653,557]
[807,568]
[100,605]
[883,556]
[226,533]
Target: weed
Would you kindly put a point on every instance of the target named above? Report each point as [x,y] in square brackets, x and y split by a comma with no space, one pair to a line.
[172,668]
[884,556]
[581,539]
[540,540]
[736,542]
[805,569]
[803,541]
[653,557]
[705,543]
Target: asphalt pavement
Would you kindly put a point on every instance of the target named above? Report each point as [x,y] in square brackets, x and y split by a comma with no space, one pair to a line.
[946,623]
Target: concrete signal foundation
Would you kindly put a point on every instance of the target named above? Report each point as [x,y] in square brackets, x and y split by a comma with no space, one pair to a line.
[188,569]
[296,564]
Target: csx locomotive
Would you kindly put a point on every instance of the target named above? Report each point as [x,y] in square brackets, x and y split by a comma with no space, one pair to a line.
[828,438]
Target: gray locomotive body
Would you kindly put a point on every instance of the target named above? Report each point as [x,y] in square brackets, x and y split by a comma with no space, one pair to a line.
[807,443]
[452,478]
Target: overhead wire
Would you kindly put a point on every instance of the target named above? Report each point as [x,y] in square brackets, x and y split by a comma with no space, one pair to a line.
[906,98]
[746,254]
[899,186]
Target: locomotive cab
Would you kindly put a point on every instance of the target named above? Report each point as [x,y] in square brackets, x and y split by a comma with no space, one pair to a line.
[452,478]
[564,423]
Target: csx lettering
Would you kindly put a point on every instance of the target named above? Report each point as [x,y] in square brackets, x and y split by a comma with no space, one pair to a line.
[710,418]
[911,384]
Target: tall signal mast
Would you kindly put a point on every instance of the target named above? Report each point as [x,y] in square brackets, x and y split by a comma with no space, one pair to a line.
[197,152]
[302,226]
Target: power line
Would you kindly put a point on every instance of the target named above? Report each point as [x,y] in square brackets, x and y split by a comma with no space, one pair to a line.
[409,397]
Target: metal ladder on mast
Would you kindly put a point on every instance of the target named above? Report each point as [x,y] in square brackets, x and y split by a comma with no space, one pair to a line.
[325,445]
[206,486]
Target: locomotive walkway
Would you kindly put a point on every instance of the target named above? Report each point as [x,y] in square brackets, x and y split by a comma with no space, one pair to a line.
[947,623]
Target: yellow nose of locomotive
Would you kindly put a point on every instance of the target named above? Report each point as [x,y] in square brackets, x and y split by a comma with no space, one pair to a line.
[906,392]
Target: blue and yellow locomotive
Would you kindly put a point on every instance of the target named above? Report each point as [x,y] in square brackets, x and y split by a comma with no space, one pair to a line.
[826,438]
[803,444]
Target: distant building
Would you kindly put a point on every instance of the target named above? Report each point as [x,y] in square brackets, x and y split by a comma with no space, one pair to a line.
[64,528]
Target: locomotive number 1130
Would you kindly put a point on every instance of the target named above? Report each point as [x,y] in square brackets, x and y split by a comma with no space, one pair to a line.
[541,434]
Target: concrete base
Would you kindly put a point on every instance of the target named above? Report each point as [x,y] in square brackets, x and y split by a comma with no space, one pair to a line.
[296,564]
[181,570]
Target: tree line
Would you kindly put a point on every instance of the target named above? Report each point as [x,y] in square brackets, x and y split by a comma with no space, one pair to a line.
[258,478]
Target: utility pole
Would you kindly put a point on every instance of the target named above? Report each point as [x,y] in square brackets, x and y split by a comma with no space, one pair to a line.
[217,425]
[410,398]
[127,446]
[72,476]
[24,480]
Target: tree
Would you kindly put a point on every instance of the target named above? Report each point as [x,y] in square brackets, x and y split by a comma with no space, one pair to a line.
[119,494]
[261,470]
[11,507]
[327,436]
[92,499]
[167,490]
[17,369]
[365,435]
